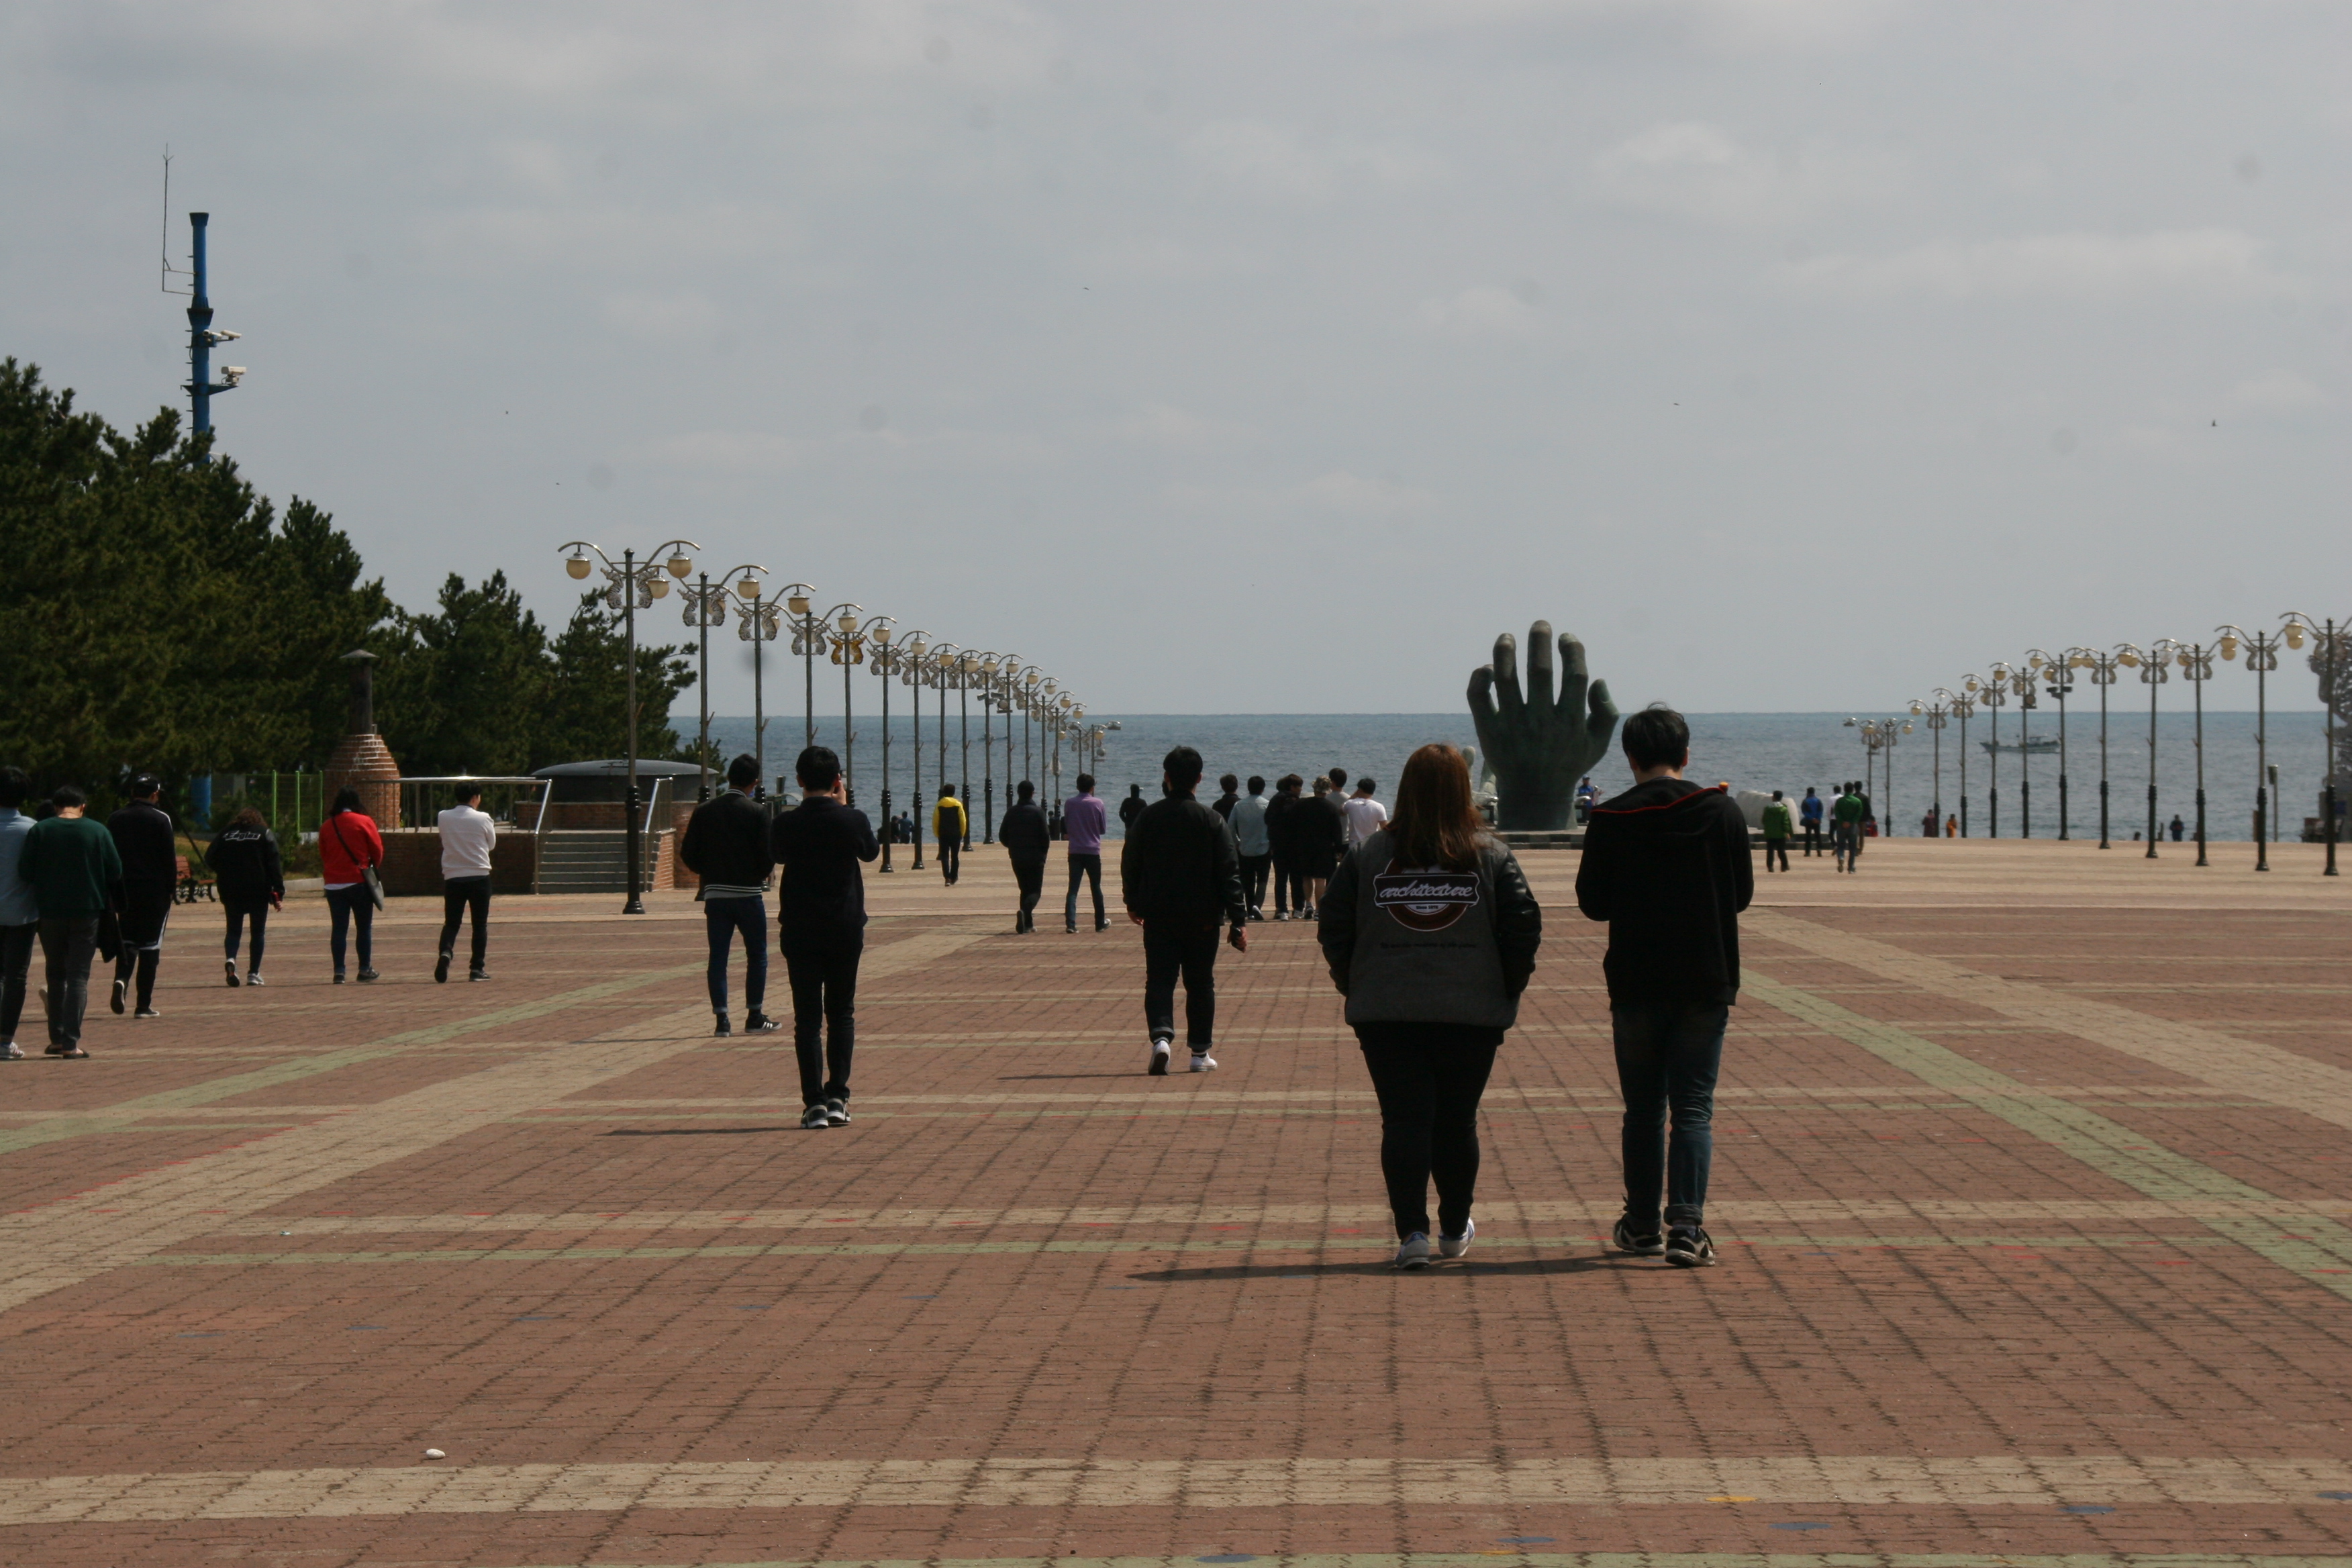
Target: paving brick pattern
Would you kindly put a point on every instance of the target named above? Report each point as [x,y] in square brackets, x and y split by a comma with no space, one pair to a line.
[2030,1182]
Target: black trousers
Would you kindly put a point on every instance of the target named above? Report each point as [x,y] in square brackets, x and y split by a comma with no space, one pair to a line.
[1090,868]
[1289,887]
[460,894]
[67,944]
[1813,831]
[951,856]
[1256,871]
[1030,876]
[1190,952]
[15,963]
[146,910]
[238,914]
[352,906]
[824,972]
[1429,1078]
[1778,846]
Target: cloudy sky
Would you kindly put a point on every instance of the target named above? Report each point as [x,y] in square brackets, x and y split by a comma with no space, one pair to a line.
[1798,353]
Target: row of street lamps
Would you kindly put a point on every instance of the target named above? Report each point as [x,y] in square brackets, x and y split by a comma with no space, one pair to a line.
[2053,675]
[1004,685]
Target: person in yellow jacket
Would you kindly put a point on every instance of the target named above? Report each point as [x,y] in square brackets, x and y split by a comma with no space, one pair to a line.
[948,825]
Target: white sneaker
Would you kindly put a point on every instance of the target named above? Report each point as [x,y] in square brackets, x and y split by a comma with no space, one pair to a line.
[253,978]
[1456,1245]
[1203,1062]
[1414,1252]
[1160,1052]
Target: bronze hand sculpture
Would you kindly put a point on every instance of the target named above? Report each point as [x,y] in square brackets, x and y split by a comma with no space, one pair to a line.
[1539,746]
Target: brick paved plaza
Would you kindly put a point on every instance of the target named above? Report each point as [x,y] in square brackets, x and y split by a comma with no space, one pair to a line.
[2031,1180]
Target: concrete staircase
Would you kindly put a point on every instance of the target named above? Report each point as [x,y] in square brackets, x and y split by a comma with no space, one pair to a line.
[587,860]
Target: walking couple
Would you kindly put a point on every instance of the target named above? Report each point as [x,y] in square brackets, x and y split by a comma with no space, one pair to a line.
[1429,933]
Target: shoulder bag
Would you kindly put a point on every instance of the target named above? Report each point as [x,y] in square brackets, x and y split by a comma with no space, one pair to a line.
[368,878]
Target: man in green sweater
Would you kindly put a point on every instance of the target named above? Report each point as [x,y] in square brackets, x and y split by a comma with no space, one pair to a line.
[1779,822]
[72,867]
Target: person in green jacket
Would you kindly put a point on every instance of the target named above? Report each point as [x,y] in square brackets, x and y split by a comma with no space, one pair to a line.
[73,867]
[1779,823]
[1846,815]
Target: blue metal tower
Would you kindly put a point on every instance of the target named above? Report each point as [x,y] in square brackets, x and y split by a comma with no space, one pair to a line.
[201,339]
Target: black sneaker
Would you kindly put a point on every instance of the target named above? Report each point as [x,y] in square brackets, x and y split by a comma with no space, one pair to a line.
[1647,1244]
[477,974]
[146,1013]
[121,990]
[441,969]
[339,977]
[724,1028]
[231,964]
[368,976]
[836,1112]
[814,1120]
[1687,1246]
[760,1024]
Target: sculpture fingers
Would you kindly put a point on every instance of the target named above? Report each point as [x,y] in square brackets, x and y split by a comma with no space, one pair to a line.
[1539,666]
[1505,671]
[1575,675]
[1604,714]
[1482,693]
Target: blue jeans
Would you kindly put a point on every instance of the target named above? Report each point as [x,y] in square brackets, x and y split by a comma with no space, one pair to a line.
[723,918]
[1667,1059]
[352,906]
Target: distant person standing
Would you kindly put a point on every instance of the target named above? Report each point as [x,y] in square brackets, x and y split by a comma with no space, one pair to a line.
[1809,811]
[949,822]
[72,867]
[1365,815]
[726,845]
[1282,847]
[148,842]
[2178,827]
[1027,836]
[249,879]
[1180,873]
[1131,807]
[1323,838]
[1846,817]
[1339,778]
[1952,826]
[1229,791]
[820,925]
[1927,823]
[1430,934]
[1777,827]
[1084,818]
[20,914]
[349,847]
[1587,792]
[1247,819]
[1666,865]
[467,837]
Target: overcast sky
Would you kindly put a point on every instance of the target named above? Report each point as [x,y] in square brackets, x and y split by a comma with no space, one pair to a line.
[1799,354]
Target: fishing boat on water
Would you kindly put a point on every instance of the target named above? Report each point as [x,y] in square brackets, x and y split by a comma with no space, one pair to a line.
[2037,746]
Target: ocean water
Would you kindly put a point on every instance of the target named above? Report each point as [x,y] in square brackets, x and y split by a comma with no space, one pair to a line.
[1748,751]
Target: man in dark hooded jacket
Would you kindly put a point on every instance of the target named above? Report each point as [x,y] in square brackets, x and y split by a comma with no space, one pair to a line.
[1026,836]
[1667,865]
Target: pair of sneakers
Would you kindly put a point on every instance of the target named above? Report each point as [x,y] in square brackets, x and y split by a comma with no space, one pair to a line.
[1413,1251]
[1683,1246]
[229,965]
[832,1113]
[753,1024]
[1164,1052]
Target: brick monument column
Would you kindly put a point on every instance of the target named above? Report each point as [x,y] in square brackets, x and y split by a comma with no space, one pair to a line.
[362,760]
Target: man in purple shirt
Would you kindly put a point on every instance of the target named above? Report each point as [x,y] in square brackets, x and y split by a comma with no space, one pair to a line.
[1082,820]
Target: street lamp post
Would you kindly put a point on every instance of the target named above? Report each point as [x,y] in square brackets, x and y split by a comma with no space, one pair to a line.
[2102,667]
[631,587]
[846,646]
[2151,662]
[884,661]
[1937,715]
[2021,686]
[984,678]
[2196,661]
[918,646]
[1995,696]
[2332,635]
[2058,674]
[944,656]
[808,641]
[1965,706]
[967,670]
[706,606]
[2262,657]
[759,626]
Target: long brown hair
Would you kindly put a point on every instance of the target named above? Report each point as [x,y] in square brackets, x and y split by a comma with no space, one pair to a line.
[1437,821]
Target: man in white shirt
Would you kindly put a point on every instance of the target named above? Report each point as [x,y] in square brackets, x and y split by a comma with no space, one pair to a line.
[468,835]
[1365,815]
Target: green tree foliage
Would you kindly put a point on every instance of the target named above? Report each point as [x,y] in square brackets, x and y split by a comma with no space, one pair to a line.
[160,615]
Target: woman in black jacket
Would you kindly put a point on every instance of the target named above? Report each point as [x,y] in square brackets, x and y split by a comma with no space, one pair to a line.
[249,874]
[1430,934]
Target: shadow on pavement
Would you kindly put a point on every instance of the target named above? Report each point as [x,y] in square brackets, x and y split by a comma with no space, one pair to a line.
[693,1132]
[1320,1270]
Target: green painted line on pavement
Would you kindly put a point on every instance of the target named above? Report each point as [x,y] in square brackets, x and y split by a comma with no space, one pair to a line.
[2321,1254]
[125,1116]
[1570,1560]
